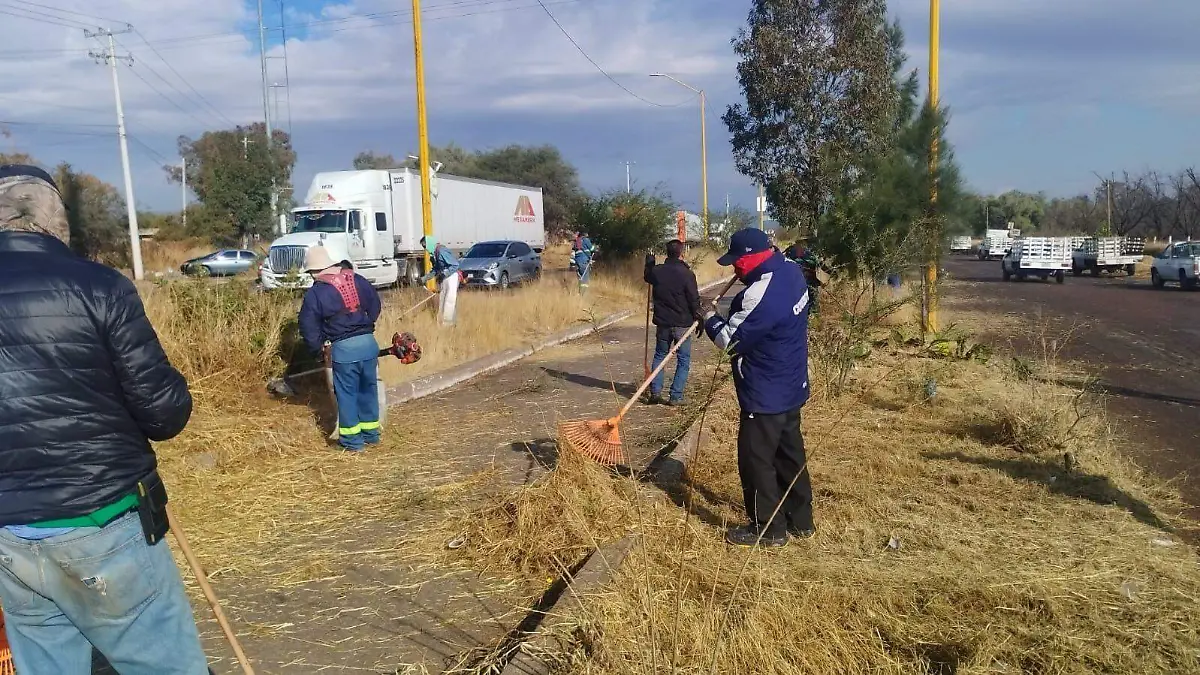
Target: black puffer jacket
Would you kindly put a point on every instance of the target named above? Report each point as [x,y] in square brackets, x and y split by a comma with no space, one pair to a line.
[84,383]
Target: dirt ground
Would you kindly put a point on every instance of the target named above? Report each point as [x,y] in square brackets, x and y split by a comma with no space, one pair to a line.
[1142,344]
[367,606]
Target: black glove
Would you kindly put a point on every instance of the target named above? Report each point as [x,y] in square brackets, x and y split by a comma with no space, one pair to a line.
[651,261]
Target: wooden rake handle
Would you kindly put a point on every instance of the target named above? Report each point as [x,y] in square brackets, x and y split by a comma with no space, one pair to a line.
[209,595]
[674,348]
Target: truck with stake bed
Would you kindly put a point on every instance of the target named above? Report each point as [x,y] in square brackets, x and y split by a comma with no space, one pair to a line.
[1108,254]
[373,219]
[1041,257]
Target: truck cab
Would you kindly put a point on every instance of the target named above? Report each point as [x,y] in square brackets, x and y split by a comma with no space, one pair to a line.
[1178,263]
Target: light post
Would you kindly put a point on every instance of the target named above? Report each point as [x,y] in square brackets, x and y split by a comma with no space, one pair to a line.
[703,149]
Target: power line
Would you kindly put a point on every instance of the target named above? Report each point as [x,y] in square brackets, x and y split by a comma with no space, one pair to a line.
[156,155]
[166,98]
[49,124]
[181,79]
[70,11]
[34,16]
[47,103]
[604,72]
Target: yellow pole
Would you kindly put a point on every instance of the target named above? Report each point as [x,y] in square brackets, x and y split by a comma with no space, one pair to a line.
[704,166]
[931,272]
[423,141]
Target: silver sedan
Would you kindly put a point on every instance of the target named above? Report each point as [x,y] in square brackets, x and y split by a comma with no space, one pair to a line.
[498,264]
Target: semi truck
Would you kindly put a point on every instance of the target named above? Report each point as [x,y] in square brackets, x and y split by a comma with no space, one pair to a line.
[1041,257]
[1108,254]
[373,219]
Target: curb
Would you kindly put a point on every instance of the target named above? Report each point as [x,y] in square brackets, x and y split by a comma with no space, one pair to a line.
[599,569]
[445,379]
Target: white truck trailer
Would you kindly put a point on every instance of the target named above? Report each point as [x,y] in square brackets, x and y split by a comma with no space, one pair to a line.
[960,244]
[1108,254]
[996,242]
[373,219]
[1041,257]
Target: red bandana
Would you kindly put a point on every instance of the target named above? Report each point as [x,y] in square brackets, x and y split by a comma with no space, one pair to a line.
[747,263]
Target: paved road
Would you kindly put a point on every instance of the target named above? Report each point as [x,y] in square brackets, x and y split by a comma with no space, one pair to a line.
[1143,344]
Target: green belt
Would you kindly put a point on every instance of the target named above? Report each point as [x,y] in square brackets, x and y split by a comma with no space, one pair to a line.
[98,518]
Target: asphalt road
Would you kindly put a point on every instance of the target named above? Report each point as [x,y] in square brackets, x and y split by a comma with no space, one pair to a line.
[1143,344]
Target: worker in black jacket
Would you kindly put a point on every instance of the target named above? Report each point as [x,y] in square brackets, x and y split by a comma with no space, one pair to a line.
[84,388]
[676,310]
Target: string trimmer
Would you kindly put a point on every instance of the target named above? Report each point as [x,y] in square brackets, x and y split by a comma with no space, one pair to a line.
[601,439]
[404,347]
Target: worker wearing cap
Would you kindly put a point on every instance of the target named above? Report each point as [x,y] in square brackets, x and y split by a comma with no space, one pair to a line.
[340,310]
[445,268]
[766,333]
[583,252]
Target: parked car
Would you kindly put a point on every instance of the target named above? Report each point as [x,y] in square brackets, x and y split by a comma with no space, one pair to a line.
[1178,263]
[498,264]
[223,263]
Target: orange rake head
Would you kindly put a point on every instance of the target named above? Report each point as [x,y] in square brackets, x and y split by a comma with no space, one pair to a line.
[599,440]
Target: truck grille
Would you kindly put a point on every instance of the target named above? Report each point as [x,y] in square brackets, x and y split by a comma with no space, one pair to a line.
[287,258]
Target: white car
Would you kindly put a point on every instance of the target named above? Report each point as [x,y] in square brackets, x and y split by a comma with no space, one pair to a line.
[1178,263]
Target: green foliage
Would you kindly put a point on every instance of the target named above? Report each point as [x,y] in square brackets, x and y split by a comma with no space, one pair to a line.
[624,223]
[820,98]
[881,219]
[96,215]
[367,160]
[231,174]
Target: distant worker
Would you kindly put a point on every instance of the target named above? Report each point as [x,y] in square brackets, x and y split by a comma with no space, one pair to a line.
[337,319]
[584,253]
[766,334]
[85,388]
[445,268]
[676,310]
[803,256]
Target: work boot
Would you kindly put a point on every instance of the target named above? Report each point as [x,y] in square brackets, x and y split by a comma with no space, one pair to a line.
[802,532]
[654,399]
[747,535]
[675,402]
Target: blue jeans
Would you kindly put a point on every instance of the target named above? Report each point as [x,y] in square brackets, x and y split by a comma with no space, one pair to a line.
[583,268]
[664,338]
[357,391]
[97,586]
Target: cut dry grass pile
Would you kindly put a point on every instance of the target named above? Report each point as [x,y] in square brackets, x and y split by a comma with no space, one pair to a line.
[952,539]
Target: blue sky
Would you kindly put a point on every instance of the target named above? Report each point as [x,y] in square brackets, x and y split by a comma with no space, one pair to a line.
[1041,93]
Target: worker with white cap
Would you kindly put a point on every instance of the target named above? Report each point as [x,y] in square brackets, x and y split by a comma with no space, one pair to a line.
[339,314]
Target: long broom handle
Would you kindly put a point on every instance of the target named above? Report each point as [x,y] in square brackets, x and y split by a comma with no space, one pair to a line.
[646,342]
[674,348]
[208,592]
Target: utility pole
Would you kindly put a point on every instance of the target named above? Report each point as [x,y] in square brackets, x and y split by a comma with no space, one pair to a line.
[762,207]
[246,146]
[726,210]
[262,50]
[628,181]
[929,323]
[111,58]
[1110,207]
[423,138]
[183,176]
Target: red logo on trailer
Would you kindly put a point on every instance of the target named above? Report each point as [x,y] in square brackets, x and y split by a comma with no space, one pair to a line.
[524,212]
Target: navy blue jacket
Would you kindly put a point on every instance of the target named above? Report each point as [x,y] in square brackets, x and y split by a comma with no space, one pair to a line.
[84,383]
[767,336]
[323,315]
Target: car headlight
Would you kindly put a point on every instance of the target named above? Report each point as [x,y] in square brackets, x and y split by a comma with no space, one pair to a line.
[493,265]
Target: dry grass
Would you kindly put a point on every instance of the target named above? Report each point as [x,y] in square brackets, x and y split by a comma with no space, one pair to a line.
[165,257]
[952,539]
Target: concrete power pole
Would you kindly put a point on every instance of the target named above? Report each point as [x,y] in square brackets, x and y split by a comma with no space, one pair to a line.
[266,92]
[111,58]
[183,176]
[628,179]
[1108,183]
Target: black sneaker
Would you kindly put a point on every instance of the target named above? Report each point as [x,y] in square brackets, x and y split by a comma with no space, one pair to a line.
[747,535]
[799,533]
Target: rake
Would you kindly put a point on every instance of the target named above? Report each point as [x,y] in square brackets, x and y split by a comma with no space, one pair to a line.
[600,440]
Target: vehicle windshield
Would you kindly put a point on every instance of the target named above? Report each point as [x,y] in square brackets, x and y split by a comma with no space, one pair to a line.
[320,221]
[487,250]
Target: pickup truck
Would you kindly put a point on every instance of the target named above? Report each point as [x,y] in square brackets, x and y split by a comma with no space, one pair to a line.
[1108,254]
[1178,263]
[1041,257]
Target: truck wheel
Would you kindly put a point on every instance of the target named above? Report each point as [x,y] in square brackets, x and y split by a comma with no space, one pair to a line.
[504,283]
[1155,279]
[1130,270]
[1095,270]
[1060,276]
[412,273]
[1076,271]
[1185,284]
[1005,272]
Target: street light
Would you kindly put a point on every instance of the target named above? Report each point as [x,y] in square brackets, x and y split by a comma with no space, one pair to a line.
[703,149]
